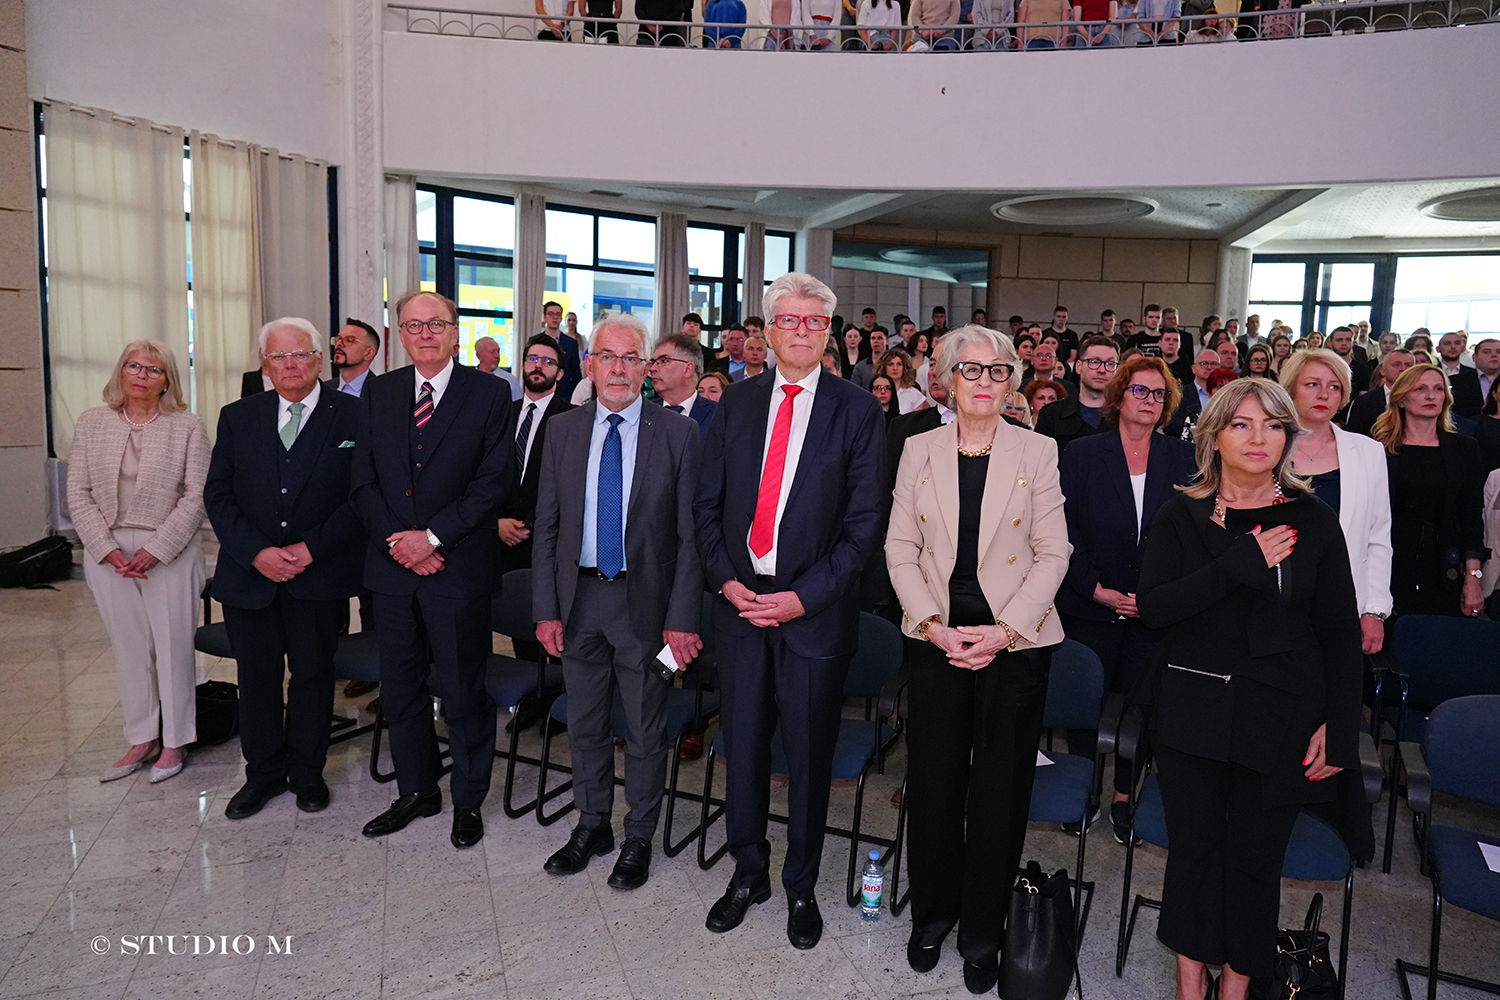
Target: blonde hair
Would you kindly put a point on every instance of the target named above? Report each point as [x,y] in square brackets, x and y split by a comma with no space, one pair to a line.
[1390,426]
[1291,369]
[158,354]
[1019,399]
[1222,405]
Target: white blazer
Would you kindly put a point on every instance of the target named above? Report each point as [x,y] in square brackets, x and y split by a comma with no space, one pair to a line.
[1491,512]
[1365,516]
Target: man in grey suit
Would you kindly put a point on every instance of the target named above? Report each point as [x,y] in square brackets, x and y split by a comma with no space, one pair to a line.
[615,574]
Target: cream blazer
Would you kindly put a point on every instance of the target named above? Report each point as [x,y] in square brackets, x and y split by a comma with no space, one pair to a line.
[1023,536]
[169,486]
[1365,516]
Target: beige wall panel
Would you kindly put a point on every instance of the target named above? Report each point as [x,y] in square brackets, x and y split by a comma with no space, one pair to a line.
[17,186]
[20,330]
[1203,264]
[1193,302]
[1061,257]
[15,103]
[13,24]
[1087,299]
[23,502]
[1146,260]
[21,402]
[1030,297]
[17,249]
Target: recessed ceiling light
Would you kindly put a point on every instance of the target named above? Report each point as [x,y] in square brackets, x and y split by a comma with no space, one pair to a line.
[1477,205]
[1072,210]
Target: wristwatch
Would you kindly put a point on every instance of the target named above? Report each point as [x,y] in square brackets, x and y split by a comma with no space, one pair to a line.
[433,539]
[1477,574]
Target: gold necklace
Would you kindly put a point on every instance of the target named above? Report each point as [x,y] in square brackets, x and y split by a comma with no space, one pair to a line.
[1279,497]
[977,454]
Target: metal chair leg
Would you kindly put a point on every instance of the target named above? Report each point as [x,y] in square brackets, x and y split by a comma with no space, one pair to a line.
[706,818]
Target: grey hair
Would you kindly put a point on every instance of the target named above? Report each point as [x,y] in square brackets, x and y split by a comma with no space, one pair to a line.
[1222,405]
[798,284]
[483,339]
[953,343]
[314,339]
[625,321]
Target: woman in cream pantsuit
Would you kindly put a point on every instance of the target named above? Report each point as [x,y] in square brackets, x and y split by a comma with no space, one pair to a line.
[977,548]
[135,490]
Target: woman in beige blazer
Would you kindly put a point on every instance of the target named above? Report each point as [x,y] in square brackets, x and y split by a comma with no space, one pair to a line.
[977,547]
[135,492]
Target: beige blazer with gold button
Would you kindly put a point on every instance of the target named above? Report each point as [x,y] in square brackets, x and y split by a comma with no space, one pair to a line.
[1023,536]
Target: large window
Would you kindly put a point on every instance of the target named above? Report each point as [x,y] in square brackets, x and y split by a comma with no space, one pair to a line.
[601,263]
[1316,294]
[467,246]
[1448,293]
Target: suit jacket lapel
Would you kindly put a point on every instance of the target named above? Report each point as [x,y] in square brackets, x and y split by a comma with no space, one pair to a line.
[943,455]
[459,384]
[760,412]
[817,430]
[645,440]
[1158,481]
[1002,477]
[310,444]
[574,478]
[396,424]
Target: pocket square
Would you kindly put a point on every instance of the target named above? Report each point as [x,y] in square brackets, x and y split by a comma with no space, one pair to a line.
[347,444]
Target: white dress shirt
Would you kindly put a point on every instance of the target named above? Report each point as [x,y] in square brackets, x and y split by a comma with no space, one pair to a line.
[686,404]
[284,408]
[539,406]
[439,384]
[802,405]
[630,433]
[945,415]
[355,385]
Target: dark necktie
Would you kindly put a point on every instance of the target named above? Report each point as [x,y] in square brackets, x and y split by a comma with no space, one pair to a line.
[609,535]
[522,436]
[423,412]
[675,409]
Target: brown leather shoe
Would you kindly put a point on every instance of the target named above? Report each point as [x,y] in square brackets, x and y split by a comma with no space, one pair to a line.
[692,745]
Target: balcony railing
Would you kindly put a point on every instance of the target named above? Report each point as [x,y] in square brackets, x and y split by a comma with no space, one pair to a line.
[1338,17]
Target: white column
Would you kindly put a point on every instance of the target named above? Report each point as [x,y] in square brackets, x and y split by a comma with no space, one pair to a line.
[362,173]
[530,269]
[815,251]
[1232,287]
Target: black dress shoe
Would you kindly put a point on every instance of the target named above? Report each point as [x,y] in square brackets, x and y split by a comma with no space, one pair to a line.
[633,866]
[250,799]
[978,979]
[574,856]
[312,796]
[403,811]
[922,959]
[804,924]
[468,828]
[729,911]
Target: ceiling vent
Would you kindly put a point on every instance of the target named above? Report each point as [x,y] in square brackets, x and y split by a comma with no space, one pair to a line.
[1479,205]
[1066,211]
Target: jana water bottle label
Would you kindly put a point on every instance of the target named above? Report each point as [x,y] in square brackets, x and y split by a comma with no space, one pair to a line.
[870,891]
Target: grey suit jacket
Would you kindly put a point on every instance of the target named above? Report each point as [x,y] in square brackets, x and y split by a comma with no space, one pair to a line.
[664,580]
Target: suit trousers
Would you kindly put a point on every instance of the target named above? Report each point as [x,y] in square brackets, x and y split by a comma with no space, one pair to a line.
[294,637]
[1221,900]
[972,738]
[150,624]
[601,652]
[1124,647]
[761,681]
[448,639]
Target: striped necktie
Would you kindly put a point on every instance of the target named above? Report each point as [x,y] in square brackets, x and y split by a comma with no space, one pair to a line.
[423,412]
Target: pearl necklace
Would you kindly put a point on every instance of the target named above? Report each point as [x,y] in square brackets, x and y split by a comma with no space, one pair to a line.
[1219,503]
[137,426]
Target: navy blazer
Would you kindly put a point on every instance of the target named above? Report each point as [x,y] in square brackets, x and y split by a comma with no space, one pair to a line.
[572,366]
[521,503]
[703,412]
[1100,508]
[467,468]
[831,525]
[260,495]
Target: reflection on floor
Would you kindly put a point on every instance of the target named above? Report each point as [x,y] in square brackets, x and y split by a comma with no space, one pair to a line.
[84,865]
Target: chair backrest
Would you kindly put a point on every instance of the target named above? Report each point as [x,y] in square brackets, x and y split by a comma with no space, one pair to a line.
[510,609]
[1075,688]
[878,658]
[1446,657]
[1463,747]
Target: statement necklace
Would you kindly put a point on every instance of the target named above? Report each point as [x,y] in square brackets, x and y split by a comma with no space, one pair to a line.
[132,423]
[1219,503]
[977,454]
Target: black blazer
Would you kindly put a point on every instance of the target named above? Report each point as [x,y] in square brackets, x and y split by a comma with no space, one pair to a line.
[1063,422]
[251,383]
[703,412]
[468,461]
[1467,398]
[259,495]
[1288,641]
[521,503]
[1460,523]
[1364,411]
[1189,407]
[664,582]
[572,366]
[830,527]
[1100,508]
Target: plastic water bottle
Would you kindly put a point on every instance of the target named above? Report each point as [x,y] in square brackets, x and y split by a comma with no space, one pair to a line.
[872,892]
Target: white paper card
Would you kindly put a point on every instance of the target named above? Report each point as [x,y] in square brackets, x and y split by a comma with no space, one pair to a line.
[1041,759]
[1491,854]
[667,659]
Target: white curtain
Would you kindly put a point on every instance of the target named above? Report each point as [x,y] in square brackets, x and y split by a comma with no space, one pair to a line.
[755,269]
[403,260]
[291,240]
[671,272]
[116,248]
[530,268]
[227,296]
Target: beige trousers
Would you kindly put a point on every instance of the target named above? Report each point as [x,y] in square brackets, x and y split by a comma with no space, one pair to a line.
[150,624]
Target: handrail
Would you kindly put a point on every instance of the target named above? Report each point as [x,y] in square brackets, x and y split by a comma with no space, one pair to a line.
[1314,19]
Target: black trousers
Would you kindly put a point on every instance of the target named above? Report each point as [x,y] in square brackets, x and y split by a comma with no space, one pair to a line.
[1124,646]
[600,29]
[450,637]
[972,738]
[1221,902]
[762,680]
[289,636]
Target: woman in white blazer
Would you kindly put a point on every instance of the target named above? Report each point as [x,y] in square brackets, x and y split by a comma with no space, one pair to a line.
[977,547]
[1347,472]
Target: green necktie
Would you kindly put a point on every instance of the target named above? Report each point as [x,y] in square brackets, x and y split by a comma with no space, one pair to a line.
[291,427]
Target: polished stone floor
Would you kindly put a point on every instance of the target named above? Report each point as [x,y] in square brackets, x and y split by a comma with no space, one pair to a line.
[86,866]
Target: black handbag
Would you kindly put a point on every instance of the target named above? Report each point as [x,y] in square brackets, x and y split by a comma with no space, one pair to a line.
[1040,957]
[218,704]
[1302,968]
[38,564]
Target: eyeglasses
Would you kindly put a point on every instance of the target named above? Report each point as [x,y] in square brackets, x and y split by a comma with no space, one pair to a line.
[541,359]
[437,326]
[280,359]
[656,363]
[136,368]
[1108,364]
[817,324]
[971,370]
[1141,392]
[880,388]
[630,361]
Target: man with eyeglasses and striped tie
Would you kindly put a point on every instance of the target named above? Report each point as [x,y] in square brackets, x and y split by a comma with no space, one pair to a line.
[434,463]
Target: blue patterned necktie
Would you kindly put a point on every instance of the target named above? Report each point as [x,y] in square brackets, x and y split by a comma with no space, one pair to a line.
[423,412]
[609,536]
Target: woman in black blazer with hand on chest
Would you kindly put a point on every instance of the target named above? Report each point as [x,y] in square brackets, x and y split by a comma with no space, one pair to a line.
[1258,690]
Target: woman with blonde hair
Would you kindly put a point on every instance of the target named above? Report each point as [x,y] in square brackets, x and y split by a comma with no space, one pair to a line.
[135,490]
[1257,687]
[1437,487]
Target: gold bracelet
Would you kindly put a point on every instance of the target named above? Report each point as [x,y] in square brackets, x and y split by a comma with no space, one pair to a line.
[1010,635]
[927,623]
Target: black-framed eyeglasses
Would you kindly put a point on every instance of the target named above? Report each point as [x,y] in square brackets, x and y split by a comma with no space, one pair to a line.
[541,359]
[1108,364]
[656,363]
[1141,392]
[817,324]
[971,370]
[437,326]
[136,368]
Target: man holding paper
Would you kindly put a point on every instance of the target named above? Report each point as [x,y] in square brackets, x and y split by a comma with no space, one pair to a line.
[615,574]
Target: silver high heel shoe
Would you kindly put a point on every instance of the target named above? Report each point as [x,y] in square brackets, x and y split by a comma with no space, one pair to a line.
[117,771]
[163,773]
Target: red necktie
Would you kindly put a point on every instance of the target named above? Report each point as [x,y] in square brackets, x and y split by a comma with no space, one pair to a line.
[763,529]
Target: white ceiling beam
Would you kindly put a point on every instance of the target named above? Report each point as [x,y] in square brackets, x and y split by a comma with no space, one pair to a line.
[863,207]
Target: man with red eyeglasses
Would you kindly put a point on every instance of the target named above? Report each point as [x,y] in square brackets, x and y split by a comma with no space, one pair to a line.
[786,562]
